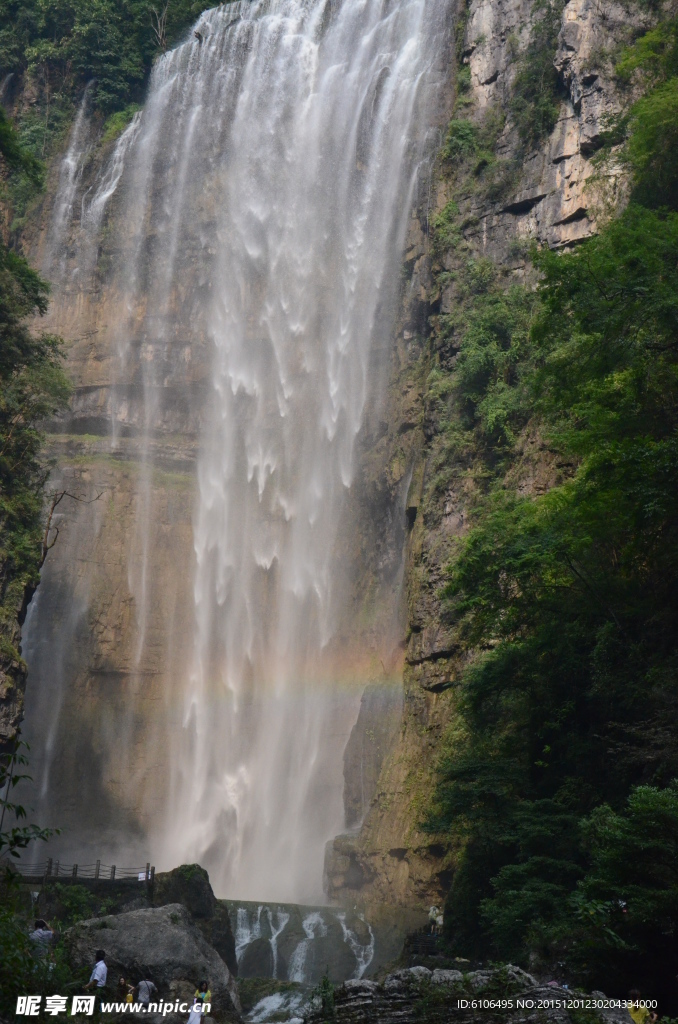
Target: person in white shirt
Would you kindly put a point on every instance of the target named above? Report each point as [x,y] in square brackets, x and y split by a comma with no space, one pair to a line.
[100,972]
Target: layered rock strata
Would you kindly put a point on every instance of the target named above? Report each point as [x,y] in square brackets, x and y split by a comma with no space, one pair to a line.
[505,996]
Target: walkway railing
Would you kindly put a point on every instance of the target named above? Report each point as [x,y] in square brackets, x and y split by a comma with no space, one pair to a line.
[55,869]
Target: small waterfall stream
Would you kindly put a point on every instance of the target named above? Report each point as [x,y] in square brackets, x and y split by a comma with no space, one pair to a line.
[251,218]
[296,943]
[70,175]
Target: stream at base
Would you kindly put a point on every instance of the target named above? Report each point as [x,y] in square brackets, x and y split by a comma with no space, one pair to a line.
[297,944]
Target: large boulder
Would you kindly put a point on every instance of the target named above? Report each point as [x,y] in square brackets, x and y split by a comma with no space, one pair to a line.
[190,884]
[162,941]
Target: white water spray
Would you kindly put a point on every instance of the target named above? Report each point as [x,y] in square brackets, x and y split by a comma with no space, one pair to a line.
[304,116]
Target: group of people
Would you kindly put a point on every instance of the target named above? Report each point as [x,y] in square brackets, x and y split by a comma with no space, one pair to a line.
[145,991]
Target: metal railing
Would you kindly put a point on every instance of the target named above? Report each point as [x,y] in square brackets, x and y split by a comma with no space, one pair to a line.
[55,869]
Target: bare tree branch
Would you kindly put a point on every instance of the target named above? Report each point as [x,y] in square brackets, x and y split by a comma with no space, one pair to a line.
[159,25]
[57,498]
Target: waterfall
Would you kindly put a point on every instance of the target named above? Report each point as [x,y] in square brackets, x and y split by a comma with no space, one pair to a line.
[364,953]
[256,212]
[247,931]
[93,209]
[313,926]
[303,941]
[70,174]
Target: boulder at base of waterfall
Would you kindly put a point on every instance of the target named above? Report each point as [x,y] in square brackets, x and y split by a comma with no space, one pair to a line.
[190,884]
[160,941]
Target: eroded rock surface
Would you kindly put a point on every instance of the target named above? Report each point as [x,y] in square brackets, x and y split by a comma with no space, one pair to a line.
[553,199]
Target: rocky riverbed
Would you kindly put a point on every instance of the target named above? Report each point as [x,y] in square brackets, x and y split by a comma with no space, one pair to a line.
[177,932]
[503,995]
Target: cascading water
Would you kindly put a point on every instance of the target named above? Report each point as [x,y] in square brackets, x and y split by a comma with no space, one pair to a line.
[363,952]
[312,924]
[277,153]
[293,943]
[70,174]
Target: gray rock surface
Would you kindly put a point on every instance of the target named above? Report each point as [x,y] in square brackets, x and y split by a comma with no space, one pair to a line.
[553,200]
[162,941]
[189,884]
[417,994]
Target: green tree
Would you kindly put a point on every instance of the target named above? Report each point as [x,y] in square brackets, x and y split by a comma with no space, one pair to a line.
[67,43]
[33,386]
[567,599]
[537,91]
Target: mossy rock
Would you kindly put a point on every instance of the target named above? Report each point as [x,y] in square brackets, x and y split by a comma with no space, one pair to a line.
[188,884]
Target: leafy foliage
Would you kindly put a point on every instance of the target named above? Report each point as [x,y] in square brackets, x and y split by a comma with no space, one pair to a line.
[322,998]
[563,790]
[73,903]
[22,970]
[117,122]
[32,386]
[16,837]
[71,42]
[653,146]
[536,89]
[491,367]
[629,897]
[462,138]
[16,156]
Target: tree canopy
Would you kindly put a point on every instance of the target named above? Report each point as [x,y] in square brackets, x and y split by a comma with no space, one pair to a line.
[564,789]
[32,386]
[68,43]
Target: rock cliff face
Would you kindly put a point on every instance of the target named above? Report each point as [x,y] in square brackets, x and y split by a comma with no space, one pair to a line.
[89,598]
[551,193]
[116,647]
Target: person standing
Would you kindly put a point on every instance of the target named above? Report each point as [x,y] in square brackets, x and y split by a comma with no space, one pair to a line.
[639,1014]
[99,975]
[41,939]
[125,991]
[145,990]
[202,996]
